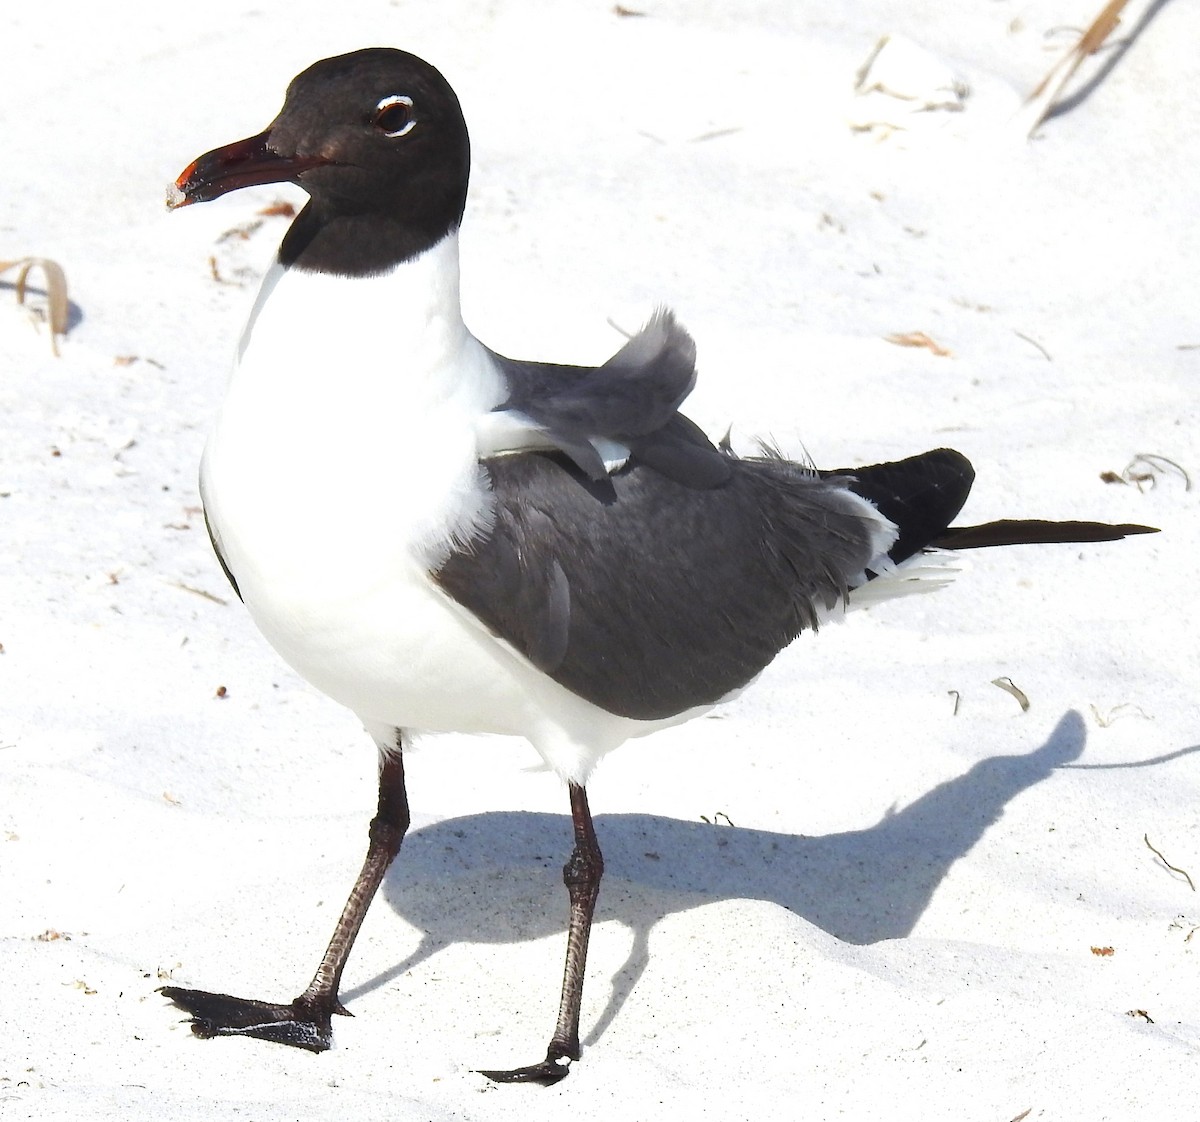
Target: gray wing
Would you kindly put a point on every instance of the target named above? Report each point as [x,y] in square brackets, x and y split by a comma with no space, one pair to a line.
[648,596]
[600,416]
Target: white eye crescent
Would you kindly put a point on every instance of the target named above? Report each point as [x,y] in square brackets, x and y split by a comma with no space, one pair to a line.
[394,115]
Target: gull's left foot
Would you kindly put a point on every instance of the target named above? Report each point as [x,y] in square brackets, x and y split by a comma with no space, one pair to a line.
[550,1071]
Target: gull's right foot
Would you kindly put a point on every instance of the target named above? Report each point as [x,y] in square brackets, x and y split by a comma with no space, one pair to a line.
[302,1024]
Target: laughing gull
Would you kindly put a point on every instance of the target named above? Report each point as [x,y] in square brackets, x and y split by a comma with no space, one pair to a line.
[445,539]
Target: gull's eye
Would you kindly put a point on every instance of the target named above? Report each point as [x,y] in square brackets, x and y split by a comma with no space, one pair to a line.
[394,115]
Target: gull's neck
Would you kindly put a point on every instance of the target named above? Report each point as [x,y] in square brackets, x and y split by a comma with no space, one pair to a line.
[349,328]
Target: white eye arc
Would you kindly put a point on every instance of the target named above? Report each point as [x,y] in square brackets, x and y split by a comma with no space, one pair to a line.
[394,115]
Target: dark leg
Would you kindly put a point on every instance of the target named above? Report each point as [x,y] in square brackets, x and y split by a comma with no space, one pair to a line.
[305,1023]
[581,875]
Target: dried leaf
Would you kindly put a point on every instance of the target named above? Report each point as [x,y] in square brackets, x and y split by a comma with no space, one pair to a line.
[1008,686]
[919,339]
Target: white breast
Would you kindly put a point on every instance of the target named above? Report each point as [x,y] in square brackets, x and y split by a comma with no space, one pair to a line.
[354,399]
[343,466]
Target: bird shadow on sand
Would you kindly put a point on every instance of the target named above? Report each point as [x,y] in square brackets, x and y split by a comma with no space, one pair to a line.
[496,877]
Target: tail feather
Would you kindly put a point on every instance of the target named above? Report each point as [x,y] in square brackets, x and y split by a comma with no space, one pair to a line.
[1035,531]
[921,495]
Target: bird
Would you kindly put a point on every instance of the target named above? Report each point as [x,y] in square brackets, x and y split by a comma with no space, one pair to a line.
[445,539]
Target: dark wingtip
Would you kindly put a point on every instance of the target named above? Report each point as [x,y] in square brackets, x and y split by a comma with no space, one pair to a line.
[920,494]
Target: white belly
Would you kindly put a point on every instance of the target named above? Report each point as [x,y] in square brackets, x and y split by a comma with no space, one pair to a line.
[342,592]
[333,575]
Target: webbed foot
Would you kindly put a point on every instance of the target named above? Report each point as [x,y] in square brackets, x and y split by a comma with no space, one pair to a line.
[302,1024]
[550,1071]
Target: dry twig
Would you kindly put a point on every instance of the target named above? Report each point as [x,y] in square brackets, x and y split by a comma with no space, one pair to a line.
[1039,103]
[1125,709]
[57,306]
[1175,869]
[200,592]
[1033,342]
[1153,463]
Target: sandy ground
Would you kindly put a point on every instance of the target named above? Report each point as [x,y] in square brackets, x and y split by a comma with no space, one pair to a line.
[873,886]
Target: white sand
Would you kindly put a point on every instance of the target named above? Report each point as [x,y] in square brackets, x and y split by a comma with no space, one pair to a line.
[900,923]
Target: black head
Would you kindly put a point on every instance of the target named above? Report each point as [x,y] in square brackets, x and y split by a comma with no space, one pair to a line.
[377,139]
